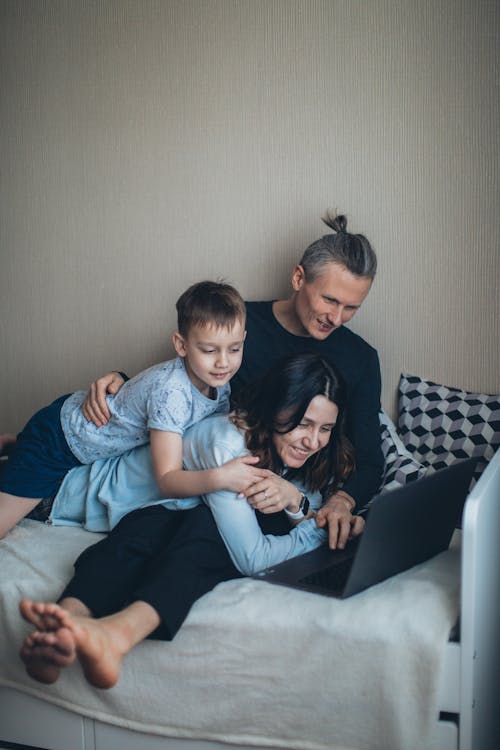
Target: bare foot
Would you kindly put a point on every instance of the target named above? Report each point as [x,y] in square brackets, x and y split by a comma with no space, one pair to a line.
[99,649]
[51,616]
[45,616]
[61,637]
[45,653]
[52,645]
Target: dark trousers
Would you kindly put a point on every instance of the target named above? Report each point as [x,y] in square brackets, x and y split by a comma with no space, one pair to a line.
[166,558]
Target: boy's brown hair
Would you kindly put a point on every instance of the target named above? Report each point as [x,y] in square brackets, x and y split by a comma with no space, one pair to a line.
[209,303]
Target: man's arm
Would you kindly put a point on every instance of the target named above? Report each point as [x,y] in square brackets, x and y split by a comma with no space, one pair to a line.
[95,407]
[363,429]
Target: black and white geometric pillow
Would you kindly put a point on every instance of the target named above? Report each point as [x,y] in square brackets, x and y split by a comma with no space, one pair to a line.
[400,466]
[439,424]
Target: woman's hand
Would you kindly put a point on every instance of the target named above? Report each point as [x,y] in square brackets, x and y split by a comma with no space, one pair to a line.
[342,525]
[273,493]
[239,474]
[95,408]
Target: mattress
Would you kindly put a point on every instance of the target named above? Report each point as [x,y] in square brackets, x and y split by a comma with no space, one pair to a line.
[257,665]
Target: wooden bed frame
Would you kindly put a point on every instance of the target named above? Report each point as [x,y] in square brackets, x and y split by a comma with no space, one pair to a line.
[469,718]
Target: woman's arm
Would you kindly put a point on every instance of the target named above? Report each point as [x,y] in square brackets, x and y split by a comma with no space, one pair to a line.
[249,548]
[213,442]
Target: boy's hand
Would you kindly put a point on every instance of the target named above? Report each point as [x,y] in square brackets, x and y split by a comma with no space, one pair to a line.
[95,408]
[239,474]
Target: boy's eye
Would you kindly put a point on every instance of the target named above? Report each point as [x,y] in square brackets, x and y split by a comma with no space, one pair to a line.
[235,349]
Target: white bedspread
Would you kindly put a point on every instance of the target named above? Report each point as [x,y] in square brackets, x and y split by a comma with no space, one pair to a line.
[257,664]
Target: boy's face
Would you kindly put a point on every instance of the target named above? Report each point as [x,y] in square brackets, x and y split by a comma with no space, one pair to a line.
[211,355]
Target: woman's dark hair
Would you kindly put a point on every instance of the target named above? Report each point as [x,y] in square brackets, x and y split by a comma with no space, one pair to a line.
[278,402]
[350,250]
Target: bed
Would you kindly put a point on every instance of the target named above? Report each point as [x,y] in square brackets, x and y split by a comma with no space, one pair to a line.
[410,663]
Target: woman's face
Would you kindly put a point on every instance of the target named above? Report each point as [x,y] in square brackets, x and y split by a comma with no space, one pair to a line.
[310,436]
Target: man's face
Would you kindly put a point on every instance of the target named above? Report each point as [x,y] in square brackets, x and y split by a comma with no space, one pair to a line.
[329,301]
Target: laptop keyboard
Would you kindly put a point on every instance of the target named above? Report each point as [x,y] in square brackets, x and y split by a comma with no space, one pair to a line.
[332,578]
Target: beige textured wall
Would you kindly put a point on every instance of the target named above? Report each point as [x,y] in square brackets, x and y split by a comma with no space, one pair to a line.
[146,145]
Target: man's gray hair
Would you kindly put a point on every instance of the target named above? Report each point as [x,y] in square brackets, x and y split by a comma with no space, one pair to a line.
[353,251]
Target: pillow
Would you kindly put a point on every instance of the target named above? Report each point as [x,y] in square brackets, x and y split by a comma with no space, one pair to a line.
[439,424]
[400,466]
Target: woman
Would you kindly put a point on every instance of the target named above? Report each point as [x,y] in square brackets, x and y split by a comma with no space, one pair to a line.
[293,420]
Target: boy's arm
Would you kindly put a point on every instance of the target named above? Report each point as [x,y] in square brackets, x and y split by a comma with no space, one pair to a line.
[173,481]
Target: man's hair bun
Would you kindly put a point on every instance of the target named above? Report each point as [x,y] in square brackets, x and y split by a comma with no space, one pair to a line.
[337,222]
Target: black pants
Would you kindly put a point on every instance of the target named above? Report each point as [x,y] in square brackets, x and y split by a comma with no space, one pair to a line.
[166,558]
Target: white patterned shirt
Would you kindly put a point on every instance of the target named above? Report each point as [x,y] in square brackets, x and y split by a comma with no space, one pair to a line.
[159,398]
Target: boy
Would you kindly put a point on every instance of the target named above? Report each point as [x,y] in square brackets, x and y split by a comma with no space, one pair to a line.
[157,405]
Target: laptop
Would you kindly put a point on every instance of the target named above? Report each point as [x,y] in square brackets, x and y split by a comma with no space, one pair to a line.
[404,527]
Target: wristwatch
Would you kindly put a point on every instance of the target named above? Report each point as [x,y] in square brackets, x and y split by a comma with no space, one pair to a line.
[302,511]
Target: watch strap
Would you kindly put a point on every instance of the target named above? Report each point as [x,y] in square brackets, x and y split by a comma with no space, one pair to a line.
[302,511]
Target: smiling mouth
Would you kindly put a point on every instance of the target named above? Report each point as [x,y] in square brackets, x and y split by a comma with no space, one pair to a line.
[301,453]
[325,326]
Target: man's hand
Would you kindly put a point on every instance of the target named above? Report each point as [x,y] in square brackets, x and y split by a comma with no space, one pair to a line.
[342,525]
[95,408]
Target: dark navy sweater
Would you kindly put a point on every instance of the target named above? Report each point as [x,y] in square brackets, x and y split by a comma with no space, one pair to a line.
[267,341]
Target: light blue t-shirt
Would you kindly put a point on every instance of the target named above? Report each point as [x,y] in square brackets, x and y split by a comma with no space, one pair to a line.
[98,496]
[159,398]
